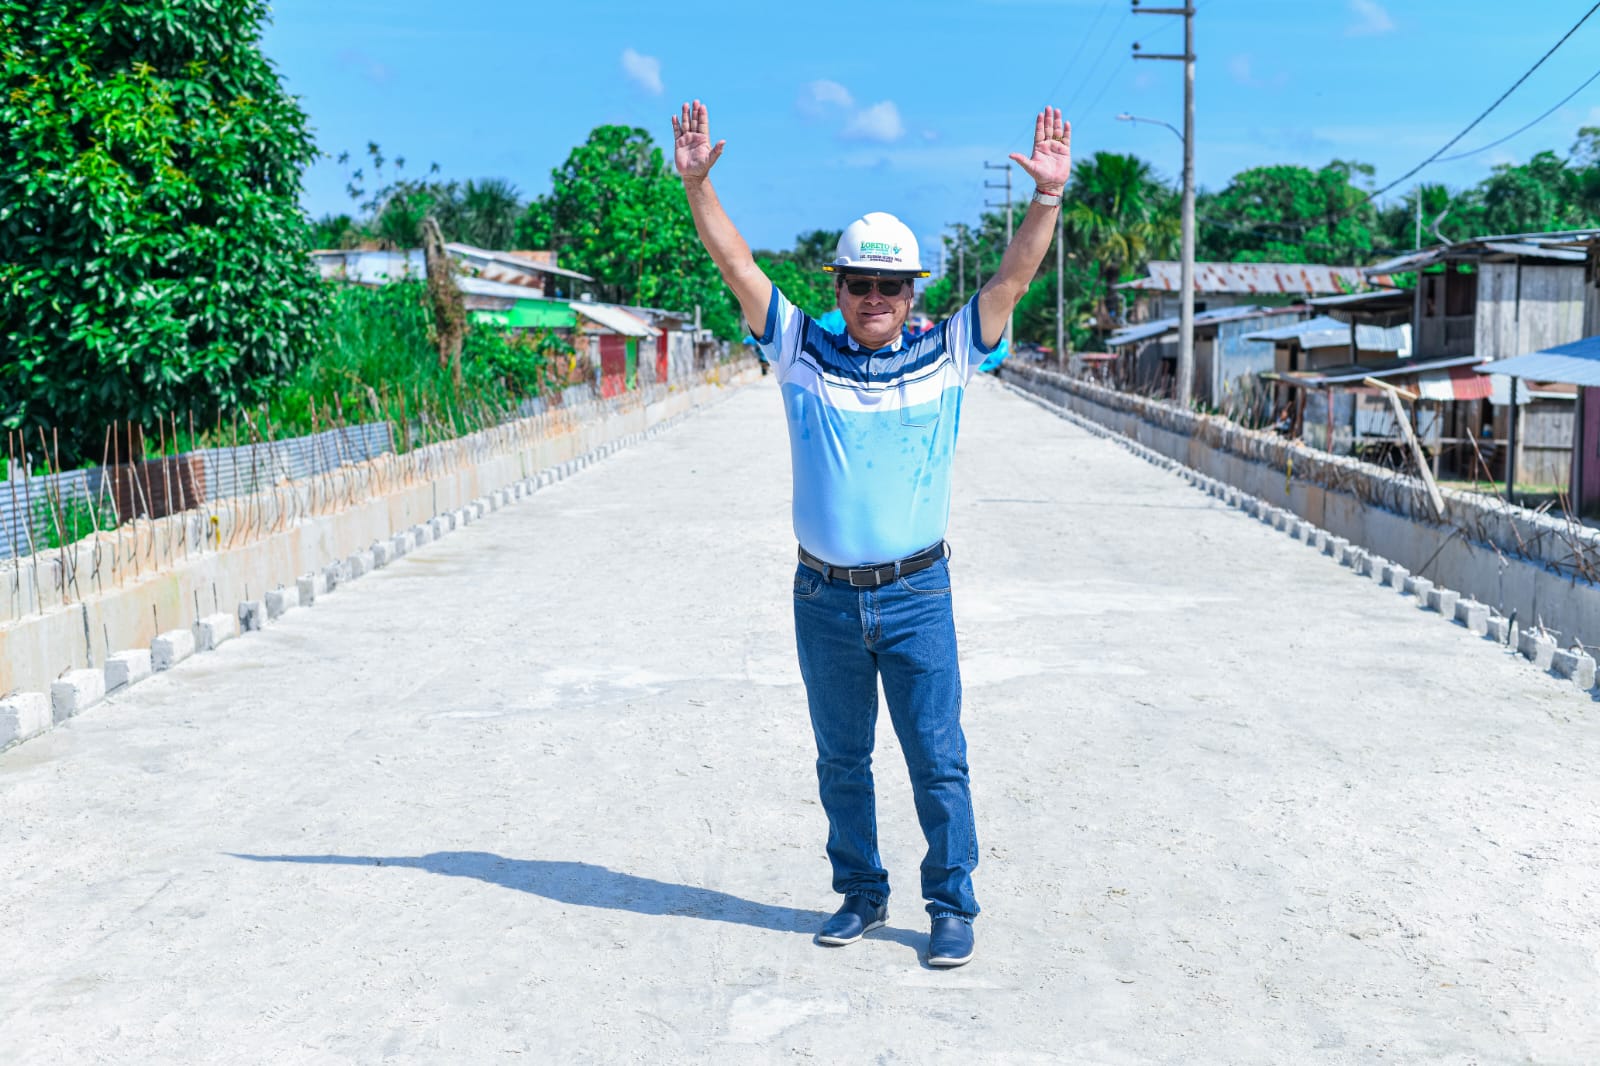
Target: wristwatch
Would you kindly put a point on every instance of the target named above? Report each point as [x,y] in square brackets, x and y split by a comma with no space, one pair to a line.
[1047,199]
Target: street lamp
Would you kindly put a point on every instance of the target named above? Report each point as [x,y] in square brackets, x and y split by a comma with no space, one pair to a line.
[1125,117]
[1185,382]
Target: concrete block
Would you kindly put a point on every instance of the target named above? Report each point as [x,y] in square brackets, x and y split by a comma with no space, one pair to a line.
[1538,648]
[1444,601]
[1375,567]
[1418,587]
[382,554]
[1473,615]
[1499,629]
[23,715]
[252,615]
[518,491]
[171,648]
[75,692]
[305,590]
[335,574]
[1316,538]
[127,668]
[401,543]
[282,600]
[462,517]
[1576,665]
[450,520]
[214,630]
[1334,547]
[1394,575]
[436,528]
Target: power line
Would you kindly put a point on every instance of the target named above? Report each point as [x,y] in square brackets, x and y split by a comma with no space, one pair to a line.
[1502,98]
[1524,129]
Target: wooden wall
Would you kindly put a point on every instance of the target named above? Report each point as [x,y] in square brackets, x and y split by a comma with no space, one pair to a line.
[1548,311]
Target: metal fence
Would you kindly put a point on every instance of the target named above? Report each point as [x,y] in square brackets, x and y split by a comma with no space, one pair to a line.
[32,508]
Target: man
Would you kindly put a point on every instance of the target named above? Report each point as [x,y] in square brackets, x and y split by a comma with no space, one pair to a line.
[872,427]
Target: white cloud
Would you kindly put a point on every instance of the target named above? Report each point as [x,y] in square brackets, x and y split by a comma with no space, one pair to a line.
[880,122]
[1371,19]
[818,96]
[1239,67]
[645,71]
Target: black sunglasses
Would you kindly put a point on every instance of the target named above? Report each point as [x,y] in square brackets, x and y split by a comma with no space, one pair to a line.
[886,286]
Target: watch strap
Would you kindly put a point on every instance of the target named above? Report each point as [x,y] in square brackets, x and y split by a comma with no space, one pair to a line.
[1047,199]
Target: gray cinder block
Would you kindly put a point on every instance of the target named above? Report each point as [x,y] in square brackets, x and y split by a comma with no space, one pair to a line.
[1335,546]
[1538,648]
[252,615]
[1473,615]
[382,554]
[127,668]
[1444,601]
[23,715]
[305,591]
[334,574]
[1576,665]
[171,648]
[279,601]
[214,630]
[75,692]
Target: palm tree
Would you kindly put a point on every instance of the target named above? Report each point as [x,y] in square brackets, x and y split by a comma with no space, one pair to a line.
[1121,217]
[489,209]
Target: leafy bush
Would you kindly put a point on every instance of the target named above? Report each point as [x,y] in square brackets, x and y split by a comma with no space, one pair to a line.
[152,247]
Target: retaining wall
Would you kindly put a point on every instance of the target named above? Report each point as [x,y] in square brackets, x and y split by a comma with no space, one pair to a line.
[1524,563]
[73,608]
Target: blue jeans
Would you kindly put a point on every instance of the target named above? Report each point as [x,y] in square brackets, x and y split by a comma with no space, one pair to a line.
[903,631]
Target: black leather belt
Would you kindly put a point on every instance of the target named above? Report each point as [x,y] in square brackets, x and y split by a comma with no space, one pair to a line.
[870,577]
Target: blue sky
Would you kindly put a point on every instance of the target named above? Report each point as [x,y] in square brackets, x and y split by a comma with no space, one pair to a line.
[833,109]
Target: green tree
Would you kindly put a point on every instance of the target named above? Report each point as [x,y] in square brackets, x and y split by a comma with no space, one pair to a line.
[617,212]
[152,248]
[798,273]
[1119,217]
[1289,214]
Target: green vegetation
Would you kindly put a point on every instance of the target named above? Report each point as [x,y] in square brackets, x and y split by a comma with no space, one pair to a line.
[379,364]
[152,247]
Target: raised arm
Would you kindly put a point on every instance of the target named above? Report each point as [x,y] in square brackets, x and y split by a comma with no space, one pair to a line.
[1049,166]
[695,156]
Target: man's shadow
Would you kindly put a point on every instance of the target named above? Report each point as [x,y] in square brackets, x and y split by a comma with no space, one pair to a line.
[583,884]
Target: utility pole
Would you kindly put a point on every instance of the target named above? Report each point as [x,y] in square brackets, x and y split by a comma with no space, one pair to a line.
[1007,187]
[1186,276]
[961,262]
[1418,194]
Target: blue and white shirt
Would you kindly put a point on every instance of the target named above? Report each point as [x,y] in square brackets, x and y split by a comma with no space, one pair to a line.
[871,433]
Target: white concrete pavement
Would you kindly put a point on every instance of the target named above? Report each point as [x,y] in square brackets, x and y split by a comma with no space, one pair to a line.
[543,792]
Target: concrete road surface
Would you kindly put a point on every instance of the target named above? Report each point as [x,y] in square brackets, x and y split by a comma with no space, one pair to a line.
[543,792]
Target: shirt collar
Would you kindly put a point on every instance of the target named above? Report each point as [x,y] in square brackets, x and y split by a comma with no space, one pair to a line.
[899,342]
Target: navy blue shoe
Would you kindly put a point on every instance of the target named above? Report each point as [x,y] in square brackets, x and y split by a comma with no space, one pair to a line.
[855,918]
[950,943]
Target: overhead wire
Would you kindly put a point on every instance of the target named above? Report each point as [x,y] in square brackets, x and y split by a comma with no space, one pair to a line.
[1490,109]
[1525,128]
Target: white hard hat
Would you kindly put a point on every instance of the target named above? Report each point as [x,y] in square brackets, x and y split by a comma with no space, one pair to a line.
[877,243]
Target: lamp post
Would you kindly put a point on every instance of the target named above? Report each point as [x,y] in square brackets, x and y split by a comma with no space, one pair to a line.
[1185,383]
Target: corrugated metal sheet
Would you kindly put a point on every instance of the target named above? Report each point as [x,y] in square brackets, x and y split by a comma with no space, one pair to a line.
[1326,332]
[367,267]
[1307,278]
[1353,372]
[1157,327]
[1456,383]
[1577,363]
[615,319]
[508,266]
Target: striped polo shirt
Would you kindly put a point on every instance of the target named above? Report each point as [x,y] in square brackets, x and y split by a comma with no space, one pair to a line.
[871,433]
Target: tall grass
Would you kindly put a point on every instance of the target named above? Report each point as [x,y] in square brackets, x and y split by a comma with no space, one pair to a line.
[378,362]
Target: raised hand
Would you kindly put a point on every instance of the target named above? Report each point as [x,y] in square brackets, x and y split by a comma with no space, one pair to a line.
[1050,165]
[693,151]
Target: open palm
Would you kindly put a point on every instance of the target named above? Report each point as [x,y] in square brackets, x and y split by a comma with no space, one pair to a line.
[1050,165]
[693,151]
